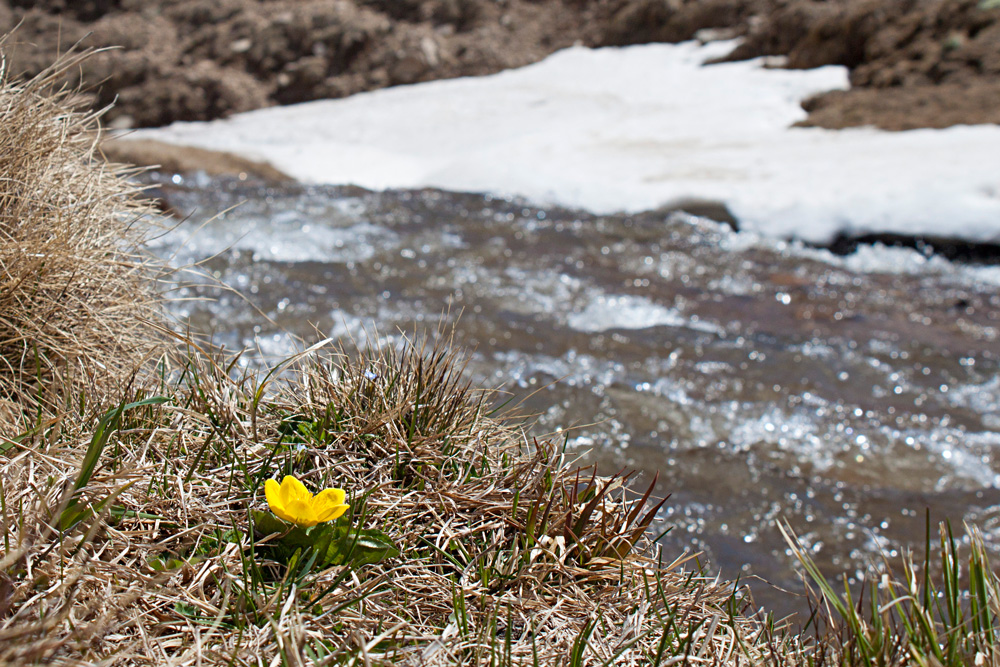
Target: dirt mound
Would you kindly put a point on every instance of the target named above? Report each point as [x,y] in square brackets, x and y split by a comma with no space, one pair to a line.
[201,59]
[914,63]
[932,63]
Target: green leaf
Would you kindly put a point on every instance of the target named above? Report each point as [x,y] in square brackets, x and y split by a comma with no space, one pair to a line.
[75,513]
[108,424]
[165,564]
[267,523]
[357,546]
[336,545]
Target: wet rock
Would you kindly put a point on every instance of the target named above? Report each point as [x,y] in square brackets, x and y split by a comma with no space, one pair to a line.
[953,248]
[703,208]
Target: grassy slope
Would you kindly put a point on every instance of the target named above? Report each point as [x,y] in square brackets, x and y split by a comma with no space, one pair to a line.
[508,555]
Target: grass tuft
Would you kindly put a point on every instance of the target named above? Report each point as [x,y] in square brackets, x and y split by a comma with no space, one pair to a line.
[78,310]
[940,614]
[506,554]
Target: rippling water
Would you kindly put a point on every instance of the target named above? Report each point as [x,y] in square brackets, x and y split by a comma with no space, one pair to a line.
[762,379]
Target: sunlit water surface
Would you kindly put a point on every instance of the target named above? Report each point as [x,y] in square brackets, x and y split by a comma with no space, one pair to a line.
[763,380]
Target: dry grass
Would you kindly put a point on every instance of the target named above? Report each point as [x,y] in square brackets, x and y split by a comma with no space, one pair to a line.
[76,299]
[502,562]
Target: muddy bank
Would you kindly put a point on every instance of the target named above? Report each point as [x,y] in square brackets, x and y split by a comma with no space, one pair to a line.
[931,63]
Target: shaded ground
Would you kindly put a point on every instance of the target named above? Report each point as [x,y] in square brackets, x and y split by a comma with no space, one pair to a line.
[914,63]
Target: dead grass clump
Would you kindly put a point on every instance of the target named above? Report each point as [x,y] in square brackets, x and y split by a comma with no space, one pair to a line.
[76,298]
[507,555]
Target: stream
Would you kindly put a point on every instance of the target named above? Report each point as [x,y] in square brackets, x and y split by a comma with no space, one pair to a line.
[762,379]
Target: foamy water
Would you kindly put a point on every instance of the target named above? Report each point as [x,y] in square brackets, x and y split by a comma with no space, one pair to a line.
[762,379]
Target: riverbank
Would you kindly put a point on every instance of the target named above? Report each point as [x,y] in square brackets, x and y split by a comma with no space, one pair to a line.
[133,458]
[135,532]
[913,64]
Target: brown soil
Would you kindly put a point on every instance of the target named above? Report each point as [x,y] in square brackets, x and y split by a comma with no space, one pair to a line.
[180,159]
[914,63]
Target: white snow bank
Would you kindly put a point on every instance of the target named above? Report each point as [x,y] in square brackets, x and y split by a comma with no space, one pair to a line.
[632,129]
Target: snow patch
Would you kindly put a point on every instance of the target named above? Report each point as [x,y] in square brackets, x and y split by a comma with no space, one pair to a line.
[632,129]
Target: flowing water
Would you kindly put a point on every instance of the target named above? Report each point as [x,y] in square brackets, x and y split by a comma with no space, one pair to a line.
[762,379]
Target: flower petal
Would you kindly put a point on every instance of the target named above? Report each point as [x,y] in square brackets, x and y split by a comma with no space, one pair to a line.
[331,496]
[273,493]
[293,489]
[282,514]
[302,513]
[329,504]
[330,513]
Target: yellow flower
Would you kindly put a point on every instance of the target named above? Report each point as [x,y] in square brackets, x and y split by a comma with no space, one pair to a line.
[292,502]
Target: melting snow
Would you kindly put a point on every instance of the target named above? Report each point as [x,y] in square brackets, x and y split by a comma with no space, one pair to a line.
[632,129]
